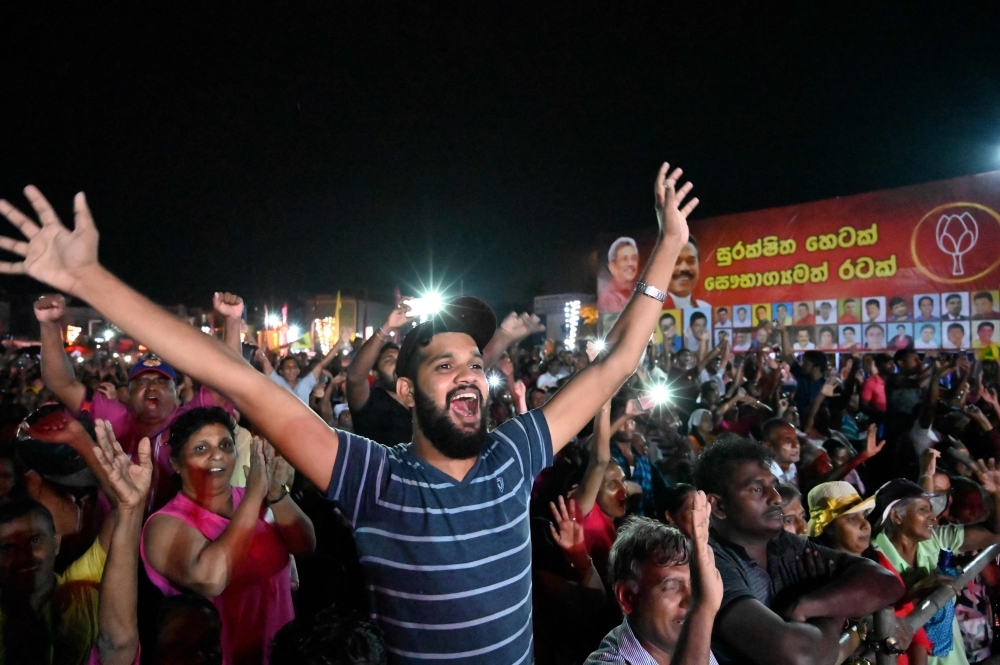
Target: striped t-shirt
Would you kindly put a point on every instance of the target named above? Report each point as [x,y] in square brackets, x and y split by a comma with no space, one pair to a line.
[448,563]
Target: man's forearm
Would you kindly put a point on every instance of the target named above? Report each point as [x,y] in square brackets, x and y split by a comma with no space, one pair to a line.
[862,589]
[57,370]
[231,334]
[695,642]
[118,637]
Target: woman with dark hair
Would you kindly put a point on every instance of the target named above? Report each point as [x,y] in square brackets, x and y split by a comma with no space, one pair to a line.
[679,502]
[228,544]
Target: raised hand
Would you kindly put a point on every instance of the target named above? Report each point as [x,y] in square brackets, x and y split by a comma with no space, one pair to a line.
[397,318]
[988,475]
[281,473]
[49,308]
[61,427]
[53,254]
[669,213]
[566,532]
[228,305]
[518,390]
[830,386]
[258,474]
[108,390]
[520,326]
[873,446]
[129,483]
[706,583]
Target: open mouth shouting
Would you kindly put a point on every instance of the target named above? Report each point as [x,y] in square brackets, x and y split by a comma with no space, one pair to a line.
[466,404]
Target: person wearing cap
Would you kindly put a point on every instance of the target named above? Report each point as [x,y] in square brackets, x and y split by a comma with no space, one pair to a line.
[441,524]
[909,536]
[838,520]
[760,565]
[151,406]
[376,410]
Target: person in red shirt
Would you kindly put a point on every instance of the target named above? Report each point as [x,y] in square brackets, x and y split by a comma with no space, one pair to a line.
[850,312]
[804,315]
[873,389]
[600,496]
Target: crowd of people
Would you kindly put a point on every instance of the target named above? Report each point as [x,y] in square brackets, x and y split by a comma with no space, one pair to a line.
[461,490]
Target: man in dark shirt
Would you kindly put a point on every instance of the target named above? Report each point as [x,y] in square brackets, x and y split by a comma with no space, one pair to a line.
[772,610]
[377,411]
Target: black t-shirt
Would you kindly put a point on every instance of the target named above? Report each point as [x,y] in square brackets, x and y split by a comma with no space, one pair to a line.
[383,419]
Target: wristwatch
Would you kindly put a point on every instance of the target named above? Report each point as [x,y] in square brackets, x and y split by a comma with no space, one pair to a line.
[651,291]
[285,491]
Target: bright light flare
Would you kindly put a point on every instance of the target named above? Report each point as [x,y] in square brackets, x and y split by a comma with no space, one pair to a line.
[273,321]
[294,332]
[600,345]
[79,359]
[426,306]
[660,394]
[493,380]
[109,333]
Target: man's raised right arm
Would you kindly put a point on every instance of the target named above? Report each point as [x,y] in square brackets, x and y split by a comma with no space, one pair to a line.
[358,389]
[68,262]
[57,370]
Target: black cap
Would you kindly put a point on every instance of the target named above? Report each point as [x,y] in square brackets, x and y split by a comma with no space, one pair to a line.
[896,490]
[466,315]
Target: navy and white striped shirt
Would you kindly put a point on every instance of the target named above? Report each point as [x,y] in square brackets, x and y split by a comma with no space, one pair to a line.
[448,563]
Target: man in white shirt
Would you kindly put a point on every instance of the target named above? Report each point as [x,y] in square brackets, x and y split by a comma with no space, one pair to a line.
[553,375]
[927,340]
[287,375]
[826,313]
[803,340]
[668,589]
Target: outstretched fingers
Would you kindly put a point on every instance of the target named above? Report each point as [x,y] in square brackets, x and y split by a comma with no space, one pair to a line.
[18,247]
[691,205]
[84,221]
[24,223]
[41,205]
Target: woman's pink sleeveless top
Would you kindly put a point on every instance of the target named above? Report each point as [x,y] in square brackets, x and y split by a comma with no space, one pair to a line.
[258,600]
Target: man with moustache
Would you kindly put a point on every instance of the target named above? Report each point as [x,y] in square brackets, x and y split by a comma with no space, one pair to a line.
[685,278]
[441,524]
[769,612]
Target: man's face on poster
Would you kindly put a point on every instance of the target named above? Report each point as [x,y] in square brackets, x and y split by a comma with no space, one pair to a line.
[955,335]
[685,275]
[873,310]
[954,305]
[875,338]
[825,309]
[668,327]
[803,337]
[849,339]
[723,315]
[782,313]
[741,338]
[983,306]
[849,308]
[803,310]
[741,315]
[927,334]
[625,267]
[697,326]
[926,307]
[985,333]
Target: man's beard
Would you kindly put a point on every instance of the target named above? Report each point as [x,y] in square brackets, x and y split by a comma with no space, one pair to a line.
[441,431]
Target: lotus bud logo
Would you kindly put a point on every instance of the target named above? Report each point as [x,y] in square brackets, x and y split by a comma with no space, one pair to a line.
[956,236]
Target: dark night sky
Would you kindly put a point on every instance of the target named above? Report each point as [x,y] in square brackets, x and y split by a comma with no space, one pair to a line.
[291,148]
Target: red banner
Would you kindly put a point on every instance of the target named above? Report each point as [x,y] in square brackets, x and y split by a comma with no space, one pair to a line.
[916,266]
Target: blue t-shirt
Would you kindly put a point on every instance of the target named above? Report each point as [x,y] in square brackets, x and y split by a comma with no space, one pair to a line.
[448,563]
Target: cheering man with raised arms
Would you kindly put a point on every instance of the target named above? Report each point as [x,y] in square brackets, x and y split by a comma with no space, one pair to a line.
[442,522]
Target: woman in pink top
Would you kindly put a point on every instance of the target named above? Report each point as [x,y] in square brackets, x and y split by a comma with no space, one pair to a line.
[226,543]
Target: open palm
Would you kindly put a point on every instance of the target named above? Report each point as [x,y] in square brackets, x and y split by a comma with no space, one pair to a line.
[53,254]
[129,482]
